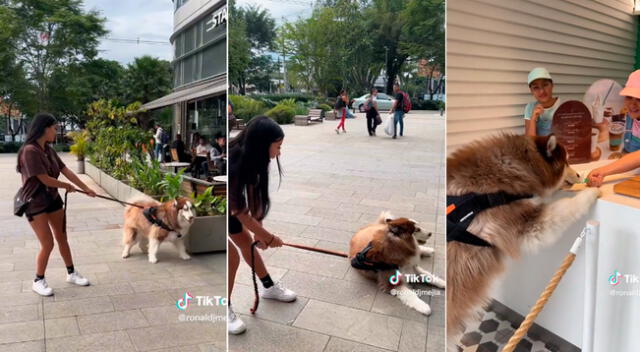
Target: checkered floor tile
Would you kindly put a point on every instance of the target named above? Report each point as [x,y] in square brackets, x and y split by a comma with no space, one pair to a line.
[492,334]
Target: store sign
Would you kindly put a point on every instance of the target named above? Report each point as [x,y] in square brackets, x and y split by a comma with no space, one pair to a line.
[572,127]
[217,18]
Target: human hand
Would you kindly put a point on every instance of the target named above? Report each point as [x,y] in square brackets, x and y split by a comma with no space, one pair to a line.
[275,242]
[537,111]
[90,192]
[596,177]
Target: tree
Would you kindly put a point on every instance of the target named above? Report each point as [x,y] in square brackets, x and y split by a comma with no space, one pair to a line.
[147,79]
[239,48]
[53,34]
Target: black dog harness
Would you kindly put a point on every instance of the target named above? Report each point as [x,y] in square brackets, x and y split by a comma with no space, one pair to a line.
[150,214]
[461,210]
[360,261]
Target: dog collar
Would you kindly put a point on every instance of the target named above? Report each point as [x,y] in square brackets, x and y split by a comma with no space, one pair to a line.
[360,261]
[150,214]
[461,210]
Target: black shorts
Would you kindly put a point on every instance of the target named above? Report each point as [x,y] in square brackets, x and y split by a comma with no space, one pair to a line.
[235,226]
[54,206]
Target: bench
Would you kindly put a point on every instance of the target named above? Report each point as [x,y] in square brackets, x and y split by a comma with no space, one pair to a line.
[315,115]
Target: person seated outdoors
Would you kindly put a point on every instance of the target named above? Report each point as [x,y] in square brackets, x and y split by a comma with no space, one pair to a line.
[201,160]
[218,154]
[179,146]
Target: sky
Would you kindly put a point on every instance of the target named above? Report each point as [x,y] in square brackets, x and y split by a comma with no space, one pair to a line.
[289,9]
[133,19]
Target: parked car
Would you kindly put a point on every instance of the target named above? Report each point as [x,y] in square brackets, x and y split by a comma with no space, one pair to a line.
[385,102]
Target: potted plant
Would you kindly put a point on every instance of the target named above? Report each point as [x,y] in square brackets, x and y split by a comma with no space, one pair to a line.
[208,232]
[80,147]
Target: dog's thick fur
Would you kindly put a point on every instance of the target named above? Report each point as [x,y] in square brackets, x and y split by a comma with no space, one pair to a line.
[396,241]
[517,165]
[178,214]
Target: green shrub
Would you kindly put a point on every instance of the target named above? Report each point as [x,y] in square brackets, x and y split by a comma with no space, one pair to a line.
[324,107]
[146,178]
[282,114]
[279,97]
[206,204]
[80,143]
[61,148]
[246,108]
[171,185]
[10,147]
[427,104]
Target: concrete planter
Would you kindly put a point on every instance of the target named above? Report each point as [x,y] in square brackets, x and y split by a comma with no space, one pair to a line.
[207,234]
[92,172]
[109,184]
[81,169]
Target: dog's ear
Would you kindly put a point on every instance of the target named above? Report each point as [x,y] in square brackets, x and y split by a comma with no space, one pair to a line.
[552,144]
[546,145]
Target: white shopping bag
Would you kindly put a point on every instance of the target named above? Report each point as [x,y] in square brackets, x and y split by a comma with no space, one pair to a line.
[389,126]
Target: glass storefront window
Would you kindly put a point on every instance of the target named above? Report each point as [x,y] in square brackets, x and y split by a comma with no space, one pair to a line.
[207,117]
[214,60]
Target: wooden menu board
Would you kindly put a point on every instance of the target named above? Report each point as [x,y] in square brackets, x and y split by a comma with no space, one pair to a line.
[572,127]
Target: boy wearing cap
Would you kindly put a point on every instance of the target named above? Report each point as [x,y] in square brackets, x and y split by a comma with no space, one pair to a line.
[631,93]
[538,114]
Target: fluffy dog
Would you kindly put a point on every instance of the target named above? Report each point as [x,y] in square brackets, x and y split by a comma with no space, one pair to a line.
[516,165]
[394,247]
[177,214]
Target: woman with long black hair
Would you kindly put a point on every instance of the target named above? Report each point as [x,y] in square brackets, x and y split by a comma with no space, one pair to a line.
[40,167]
[250,154]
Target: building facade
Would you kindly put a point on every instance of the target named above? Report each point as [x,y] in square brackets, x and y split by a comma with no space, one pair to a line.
[199,63]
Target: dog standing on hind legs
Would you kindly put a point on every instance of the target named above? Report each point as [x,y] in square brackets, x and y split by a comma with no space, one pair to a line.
[155,223]
[496,193]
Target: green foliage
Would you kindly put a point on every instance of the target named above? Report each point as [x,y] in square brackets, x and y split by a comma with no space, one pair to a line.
[10,147]
[324,107]
[116,138]
[206,204]
[146,178]
[282,114]
[427,104]
[171,185]
[147,79]
[80,143]
[61,148]
[246,108]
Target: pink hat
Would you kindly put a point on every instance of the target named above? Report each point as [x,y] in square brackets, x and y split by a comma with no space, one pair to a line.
[632,88]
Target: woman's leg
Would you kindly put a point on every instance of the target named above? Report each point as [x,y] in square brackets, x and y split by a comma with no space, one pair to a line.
[234,261]
[244,240]
[40,225]
[56,220]
[342,117]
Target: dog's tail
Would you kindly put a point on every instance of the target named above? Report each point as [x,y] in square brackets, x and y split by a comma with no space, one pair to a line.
[384,217]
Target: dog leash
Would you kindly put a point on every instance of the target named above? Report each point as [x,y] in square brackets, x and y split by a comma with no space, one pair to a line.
[256,300]
[111,199]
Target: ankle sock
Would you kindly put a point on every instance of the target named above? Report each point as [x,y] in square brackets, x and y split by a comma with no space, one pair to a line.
[70,269]
[38,278]
[266,281]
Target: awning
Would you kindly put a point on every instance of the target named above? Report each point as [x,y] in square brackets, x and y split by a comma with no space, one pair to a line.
[213,87]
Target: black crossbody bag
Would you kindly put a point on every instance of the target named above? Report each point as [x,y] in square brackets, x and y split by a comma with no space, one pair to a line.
[20,204]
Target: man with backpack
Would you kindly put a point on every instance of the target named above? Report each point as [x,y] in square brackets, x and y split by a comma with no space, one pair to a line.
[401,106]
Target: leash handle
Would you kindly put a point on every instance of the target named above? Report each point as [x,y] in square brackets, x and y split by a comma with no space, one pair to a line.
[256,300]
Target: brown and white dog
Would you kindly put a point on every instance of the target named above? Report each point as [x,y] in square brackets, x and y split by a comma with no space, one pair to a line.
[395,242]
[177,214]
[516,165]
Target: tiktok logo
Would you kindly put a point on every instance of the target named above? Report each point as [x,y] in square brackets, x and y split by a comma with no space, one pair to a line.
[614,279]
[183,303]
[395,278]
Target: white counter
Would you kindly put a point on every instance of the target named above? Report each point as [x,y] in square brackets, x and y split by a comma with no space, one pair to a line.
[617,317]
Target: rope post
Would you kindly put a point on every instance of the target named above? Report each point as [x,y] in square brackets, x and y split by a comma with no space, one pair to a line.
[591,272]
[545,295]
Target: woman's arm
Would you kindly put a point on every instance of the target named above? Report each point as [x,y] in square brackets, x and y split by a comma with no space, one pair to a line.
[261,234]
[76,180]
[626,163]
[55,183]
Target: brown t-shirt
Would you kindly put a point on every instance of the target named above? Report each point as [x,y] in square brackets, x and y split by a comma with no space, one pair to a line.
[36,161]
[243,197]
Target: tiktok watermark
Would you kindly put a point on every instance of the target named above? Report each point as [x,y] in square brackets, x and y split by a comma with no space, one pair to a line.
[396,278]
[188,300]
[624,284]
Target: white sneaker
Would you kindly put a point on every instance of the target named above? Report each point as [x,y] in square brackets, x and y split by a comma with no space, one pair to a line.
[278,292]
[76,278]
[235,325]
[41,288]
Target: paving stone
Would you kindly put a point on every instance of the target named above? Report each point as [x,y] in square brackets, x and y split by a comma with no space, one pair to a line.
[78,307]
[340,345]
[176,335]
[12,314]
[414,337]
[351,324]
[263,336]
[61,327]
[111,321]
[116,341]
[21,331]
[280,312]
[27,346]
[141,300]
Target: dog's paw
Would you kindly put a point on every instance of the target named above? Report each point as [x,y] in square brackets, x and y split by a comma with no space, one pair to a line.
[423,308]
[426,251]
[185,257]
[438,282]
[125,255]
[153,260]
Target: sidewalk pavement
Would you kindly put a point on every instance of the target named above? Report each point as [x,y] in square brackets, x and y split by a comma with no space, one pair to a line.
[130,304]
[332,185]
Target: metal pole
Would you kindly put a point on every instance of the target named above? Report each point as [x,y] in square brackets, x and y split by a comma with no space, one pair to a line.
[591,272]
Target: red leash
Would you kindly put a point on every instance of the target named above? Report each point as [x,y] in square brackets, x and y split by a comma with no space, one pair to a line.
[319,250]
